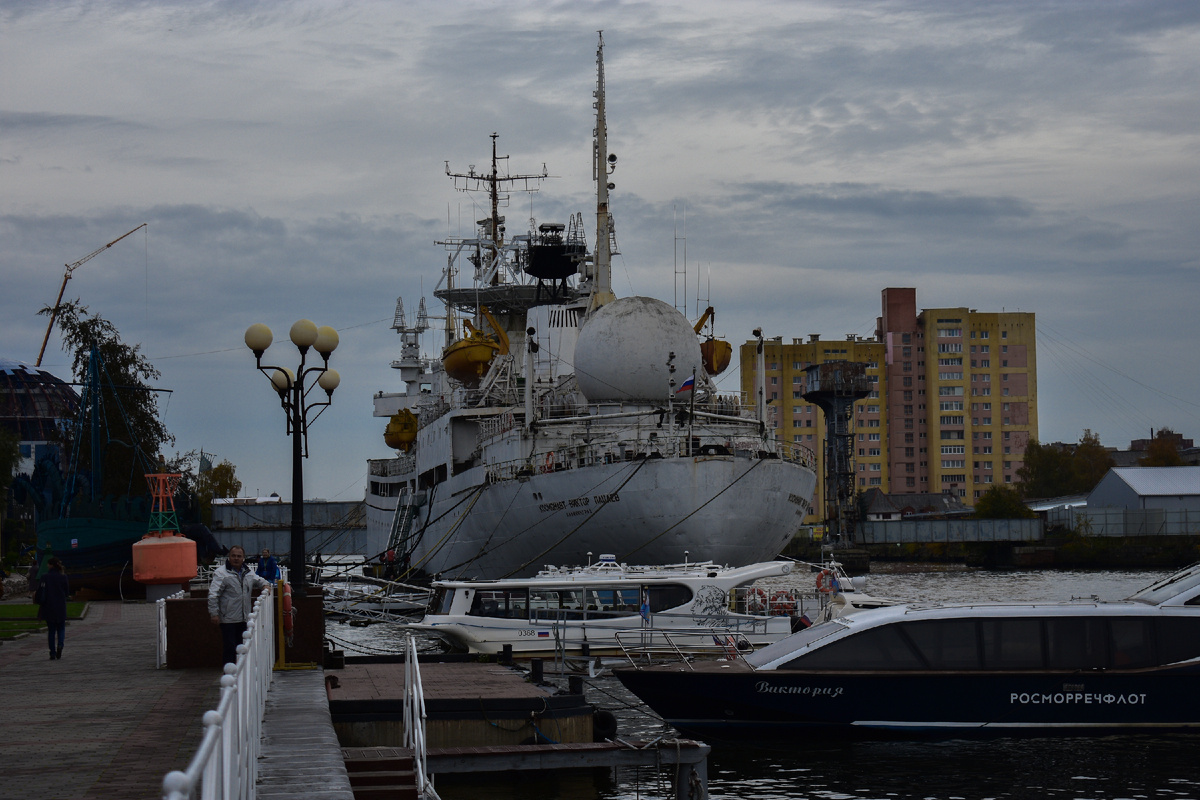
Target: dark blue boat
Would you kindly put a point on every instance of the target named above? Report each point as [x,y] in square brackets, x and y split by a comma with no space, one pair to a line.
[1080,667]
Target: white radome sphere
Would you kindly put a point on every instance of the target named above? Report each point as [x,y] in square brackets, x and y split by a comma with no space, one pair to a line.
[623,349]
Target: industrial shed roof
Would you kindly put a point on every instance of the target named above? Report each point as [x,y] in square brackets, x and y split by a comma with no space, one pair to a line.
[1157,481]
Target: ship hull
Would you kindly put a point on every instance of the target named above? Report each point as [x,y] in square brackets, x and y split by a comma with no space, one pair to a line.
[97,553]
[728,509]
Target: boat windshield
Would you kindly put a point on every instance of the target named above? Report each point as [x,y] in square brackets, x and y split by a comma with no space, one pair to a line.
[793,643]
[1173,586]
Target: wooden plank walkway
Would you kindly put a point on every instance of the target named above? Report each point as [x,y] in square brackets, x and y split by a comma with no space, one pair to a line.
[301,757]
[101,723]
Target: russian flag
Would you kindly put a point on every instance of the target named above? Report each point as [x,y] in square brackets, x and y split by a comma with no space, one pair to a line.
[543,634]
[687,386]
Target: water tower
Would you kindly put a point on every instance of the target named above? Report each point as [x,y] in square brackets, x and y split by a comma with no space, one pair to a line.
[835,387]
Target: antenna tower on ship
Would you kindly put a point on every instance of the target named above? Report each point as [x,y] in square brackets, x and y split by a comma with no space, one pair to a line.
[603,165]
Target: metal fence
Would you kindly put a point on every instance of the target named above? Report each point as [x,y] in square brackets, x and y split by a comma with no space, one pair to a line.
[1126,522]
[225,766]
[949,531]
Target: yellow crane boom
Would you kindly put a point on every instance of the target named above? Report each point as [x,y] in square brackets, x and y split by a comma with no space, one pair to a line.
[67,276]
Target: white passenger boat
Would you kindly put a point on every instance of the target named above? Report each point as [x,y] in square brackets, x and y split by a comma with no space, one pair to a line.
[612,609]
[559,420]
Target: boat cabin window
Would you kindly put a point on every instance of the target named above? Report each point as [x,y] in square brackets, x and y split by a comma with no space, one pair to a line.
[667,596]
[1054,643]
[503,603]
[878,648]
[1132,643]
[613,602]
[946,644]
[1076,643]
[1012,643]
[442,601]
[1178,639]
[556,604]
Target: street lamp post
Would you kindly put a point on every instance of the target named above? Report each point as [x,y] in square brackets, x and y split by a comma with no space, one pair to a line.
[293,389]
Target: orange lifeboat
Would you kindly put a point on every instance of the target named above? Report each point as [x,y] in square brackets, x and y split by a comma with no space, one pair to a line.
[468,359]
[401,431]
[715,352]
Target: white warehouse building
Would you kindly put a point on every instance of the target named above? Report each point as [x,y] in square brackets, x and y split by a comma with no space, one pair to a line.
[1148,488]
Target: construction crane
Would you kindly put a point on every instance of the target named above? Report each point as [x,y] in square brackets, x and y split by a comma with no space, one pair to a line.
[66,277]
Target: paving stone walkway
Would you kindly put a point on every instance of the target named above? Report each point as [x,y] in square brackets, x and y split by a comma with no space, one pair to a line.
[102,722]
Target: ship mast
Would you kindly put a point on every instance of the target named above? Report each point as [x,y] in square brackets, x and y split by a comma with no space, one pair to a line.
[497,187]
[602,166]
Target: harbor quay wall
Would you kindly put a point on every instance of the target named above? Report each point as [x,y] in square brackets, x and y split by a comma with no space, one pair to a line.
[330,528]
[1056,548]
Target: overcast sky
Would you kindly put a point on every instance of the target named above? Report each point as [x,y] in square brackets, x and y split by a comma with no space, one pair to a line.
[289,159]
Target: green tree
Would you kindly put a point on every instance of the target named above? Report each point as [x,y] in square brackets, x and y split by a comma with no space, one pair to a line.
[1056,471]
[1089,463]
[218,482]
[1002,502]
[1045,472]
[130,434]
[1163,450]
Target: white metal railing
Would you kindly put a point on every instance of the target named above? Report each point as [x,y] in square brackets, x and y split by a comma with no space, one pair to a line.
[161,635]
[225,766]
[414,719]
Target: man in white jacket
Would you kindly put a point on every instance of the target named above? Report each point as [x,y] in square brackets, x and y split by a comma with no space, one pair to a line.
[231,598]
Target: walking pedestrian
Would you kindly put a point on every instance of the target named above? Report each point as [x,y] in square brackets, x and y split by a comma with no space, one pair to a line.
[51,597]
[231,598]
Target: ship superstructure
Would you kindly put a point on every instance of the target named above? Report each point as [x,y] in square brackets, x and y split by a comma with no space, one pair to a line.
[561,421]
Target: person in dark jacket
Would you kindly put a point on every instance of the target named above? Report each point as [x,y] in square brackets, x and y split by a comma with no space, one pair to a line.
[268,567]
[53,589]
[231,599]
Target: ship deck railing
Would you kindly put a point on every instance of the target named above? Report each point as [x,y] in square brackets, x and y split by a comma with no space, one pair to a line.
[225,766]
[699,445]
[680,645]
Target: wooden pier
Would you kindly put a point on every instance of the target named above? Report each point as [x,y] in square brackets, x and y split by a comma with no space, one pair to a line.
[386,772]
[467,704]
[482,717]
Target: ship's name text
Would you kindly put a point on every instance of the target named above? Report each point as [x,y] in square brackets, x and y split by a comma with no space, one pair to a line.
[579,502]
[762,687]
[1084,698]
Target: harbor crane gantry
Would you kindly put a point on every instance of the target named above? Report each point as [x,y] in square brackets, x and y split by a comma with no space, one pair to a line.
[66,277]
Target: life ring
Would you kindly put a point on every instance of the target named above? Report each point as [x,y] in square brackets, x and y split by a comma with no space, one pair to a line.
[288,612]
[782,603]
[548,465]
[827,581]
[756,600]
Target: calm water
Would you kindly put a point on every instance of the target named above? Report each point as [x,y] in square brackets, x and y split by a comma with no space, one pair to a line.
[1108,768]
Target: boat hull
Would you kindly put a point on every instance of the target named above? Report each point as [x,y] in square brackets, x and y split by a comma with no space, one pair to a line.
[730,510]
[97,553]
[740,701]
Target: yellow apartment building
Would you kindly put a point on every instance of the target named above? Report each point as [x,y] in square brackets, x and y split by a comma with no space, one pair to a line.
[954,400]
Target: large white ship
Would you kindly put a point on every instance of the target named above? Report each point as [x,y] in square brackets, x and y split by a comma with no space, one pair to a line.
[561,422]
